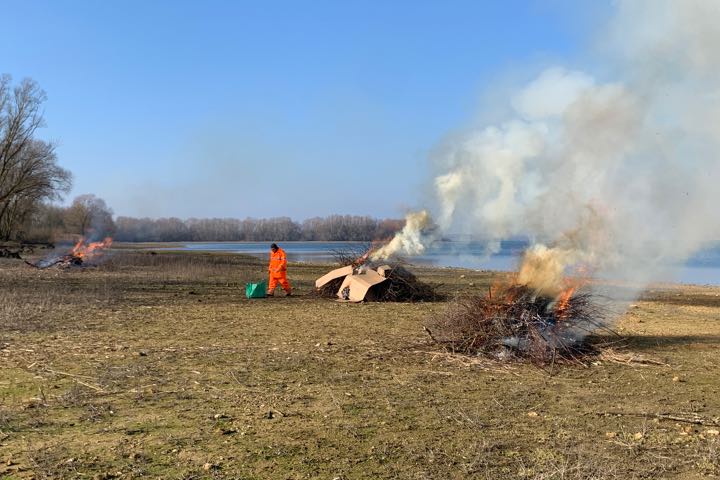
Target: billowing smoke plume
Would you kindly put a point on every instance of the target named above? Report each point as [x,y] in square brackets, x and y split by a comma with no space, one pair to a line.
[618,174]
[411,240]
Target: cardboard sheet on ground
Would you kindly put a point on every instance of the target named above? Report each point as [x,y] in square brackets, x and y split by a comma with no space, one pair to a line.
[332,275]
[359,285]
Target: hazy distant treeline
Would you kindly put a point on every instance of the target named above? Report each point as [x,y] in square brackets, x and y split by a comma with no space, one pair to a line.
[331,228]
[31,179]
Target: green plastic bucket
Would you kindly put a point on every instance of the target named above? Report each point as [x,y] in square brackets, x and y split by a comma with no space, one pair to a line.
[256,290]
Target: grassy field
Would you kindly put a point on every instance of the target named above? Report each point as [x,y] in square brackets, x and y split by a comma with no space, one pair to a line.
[157,366]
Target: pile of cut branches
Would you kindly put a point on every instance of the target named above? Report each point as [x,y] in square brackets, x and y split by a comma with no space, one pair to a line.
[403,286]
[352,254]
[330,289]
[518,323]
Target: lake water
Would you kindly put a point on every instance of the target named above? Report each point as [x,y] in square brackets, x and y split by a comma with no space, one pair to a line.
[703,268]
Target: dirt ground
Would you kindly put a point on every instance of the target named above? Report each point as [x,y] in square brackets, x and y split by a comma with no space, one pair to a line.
[155,365]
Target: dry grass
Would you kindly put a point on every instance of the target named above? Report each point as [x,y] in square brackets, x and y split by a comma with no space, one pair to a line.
[156,367]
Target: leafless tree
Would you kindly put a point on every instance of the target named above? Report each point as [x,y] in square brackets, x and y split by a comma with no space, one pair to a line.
[90,216]
[29,173]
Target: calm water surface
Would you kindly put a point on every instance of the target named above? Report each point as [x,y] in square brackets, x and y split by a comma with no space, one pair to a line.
[703,268]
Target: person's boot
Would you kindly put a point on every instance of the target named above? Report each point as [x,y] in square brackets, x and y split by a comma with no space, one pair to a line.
[269,294]
[288,293]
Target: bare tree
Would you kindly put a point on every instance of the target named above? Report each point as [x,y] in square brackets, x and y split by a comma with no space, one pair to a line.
[29,173]
[90,215]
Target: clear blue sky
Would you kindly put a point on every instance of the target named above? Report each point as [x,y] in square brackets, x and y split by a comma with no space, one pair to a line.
[298,108]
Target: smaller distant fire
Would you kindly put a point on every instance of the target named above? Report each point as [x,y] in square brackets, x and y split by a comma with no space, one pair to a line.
[82,252]
[86,250]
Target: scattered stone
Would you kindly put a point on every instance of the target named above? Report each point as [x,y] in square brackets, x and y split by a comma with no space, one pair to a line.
[638,436]
[532,414]
[610,434]
[712,432]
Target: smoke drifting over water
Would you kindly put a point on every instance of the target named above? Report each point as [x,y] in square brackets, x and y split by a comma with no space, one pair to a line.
[411,240]
[621,175]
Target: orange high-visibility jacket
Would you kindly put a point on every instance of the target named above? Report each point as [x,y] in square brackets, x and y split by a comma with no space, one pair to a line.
[278,262]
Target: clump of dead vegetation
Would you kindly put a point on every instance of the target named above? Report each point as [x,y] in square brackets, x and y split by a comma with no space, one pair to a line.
[518,322]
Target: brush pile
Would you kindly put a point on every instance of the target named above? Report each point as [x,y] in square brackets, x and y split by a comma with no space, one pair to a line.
[63,261]
[403,286]
[330,289]
[360,279]
[79,255]
[518,323]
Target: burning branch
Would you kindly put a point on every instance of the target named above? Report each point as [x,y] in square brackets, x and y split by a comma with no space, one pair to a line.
[80,254]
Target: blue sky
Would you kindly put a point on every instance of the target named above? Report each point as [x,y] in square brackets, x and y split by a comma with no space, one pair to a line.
[235,109]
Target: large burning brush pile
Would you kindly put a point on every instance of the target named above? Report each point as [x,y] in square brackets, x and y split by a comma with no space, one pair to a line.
[519,322]
[81,253]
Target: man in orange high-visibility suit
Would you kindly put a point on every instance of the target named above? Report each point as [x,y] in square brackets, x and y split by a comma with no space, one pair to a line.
[278,270]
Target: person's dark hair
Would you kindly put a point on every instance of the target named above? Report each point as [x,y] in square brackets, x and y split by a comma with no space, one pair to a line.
[274,246]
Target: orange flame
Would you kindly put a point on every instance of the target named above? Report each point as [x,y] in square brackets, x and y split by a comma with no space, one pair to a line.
[563,301]
[88,250]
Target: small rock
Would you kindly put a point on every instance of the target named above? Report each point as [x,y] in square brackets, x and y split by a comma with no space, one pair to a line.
[532,414]
[462,276]
[676,379]
[471,284]
[218,416]
[610,434]
[207,466]
[638,436]
[269,415]
[712,432]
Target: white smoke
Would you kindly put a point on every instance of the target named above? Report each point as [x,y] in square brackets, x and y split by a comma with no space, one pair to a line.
[621,173]
[411,240]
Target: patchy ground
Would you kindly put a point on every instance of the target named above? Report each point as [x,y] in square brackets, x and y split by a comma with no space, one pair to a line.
[156,365]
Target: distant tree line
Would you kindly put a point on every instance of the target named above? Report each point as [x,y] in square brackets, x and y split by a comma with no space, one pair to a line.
[87,215]
[31,179]
[331,228]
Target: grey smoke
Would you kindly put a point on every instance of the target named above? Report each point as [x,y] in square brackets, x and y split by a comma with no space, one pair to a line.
[620,174]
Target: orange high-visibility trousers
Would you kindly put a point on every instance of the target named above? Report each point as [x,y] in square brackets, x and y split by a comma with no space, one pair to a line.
[281,278]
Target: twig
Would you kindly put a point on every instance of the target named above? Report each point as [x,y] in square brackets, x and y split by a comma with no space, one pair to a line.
[232,374]
[94,387]
[58,372]
[665,416]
